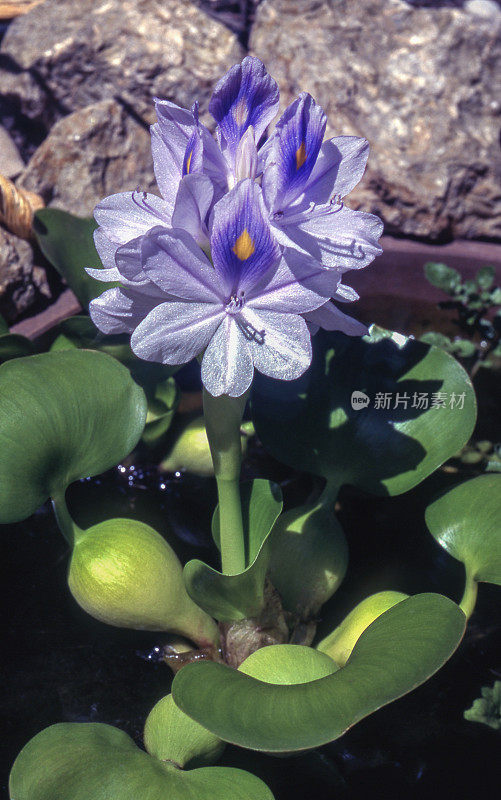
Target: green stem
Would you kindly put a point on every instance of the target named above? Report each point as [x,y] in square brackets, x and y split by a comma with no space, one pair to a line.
[67,526]
[223,416]
[330,494]
[467,604]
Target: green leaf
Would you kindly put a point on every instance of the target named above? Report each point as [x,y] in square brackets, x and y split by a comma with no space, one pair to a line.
[311,424]
[485,277]
[4,328]
[161,409]
[66,241]
[124,573]
[340,643]
[487,708]
[309,558]
[463,348]
[396,653]
[235,597]
[442,276]
[466,521]
[437,339]
[80,761]
[170,735]
[288,664]
[496,297]
[63,416]
[13,345]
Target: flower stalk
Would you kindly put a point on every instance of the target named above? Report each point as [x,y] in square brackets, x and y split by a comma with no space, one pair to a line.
[223,416]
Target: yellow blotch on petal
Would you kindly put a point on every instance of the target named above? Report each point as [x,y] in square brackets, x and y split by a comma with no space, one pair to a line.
[244,246]
[240,112]
[300,155]
[188,163]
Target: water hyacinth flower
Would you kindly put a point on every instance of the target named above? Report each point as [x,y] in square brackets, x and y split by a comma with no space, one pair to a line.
[245,311]
[268,210]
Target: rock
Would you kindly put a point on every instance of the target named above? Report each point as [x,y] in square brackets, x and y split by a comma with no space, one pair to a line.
[64,56]
[422,84]
[11,163]
[22,283]
[482,8]
[94,152]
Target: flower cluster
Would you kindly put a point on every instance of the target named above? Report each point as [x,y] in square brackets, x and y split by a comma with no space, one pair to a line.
[240,257]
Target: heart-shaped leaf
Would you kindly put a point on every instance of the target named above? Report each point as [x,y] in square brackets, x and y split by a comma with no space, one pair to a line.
[369,412]
[309,557]
[288,664]
[124,573]
[466,521]
[397,652]
[67,242]
[80,761]
[235,597]
[63,416]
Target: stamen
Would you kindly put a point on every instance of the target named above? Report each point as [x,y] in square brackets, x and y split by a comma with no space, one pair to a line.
[251,333]
[143,203]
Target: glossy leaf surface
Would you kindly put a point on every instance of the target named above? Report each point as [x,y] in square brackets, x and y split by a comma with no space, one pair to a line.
[124,573]
[311,423]
[396,653]
[170,735]
[66,241]
[234,597]
[63,416]
[80,761]
[466,521]
[309,557]
[340,643]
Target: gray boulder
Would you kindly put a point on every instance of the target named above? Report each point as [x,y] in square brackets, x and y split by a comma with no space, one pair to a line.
[422,84]
[66,55]
[91,153]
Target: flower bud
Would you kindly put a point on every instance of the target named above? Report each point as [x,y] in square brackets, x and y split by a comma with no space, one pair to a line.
[339,644]
[309,558]
[170,735]
[124,573]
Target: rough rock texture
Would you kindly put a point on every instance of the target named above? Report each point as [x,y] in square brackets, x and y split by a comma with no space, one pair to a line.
[88,155]
[63,56]
[11,163]
[21,280]
[422,84]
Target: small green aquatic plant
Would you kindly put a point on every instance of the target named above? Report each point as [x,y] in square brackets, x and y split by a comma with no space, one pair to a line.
[477,304]
[237,264]
[487,708]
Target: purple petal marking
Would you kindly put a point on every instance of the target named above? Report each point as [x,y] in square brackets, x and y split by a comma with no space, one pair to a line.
[227,366]
[332,319]
[243,248]
[281,345]
[121,310]
[339,167]
[175,263]
[193,202]
[296,144]
[339,239]
[127,215]
[246,95]
[169,143]
[176,332]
